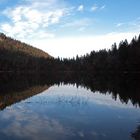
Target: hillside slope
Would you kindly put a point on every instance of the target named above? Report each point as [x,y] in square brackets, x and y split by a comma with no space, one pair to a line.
[18,56]
[17,46]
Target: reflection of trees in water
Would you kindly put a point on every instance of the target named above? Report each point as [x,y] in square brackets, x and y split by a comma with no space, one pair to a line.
[136,134]
[18,87]
[123,86]
[14,88]
[11,98]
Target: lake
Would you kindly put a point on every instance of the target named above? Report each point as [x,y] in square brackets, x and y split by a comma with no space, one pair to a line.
[66,112]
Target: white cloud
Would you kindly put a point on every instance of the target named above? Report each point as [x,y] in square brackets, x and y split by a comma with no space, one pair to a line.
[6,27]
[94,8]
[80,8]
[130,25]
[71,46]
[78,23]
[120,24]
[135,23]
[34,17]
[102,7]
[82,29]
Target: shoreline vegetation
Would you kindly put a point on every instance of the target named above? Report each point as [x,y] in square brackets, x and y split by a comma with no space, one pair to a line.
[19,57]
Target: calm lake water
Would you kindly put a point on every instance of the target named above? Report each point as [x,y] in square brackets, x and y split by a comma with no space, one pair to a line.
[66,112]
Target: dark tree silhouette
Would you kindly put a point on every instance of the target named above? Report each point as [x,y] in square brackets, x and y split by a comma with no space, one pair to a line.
[20,57]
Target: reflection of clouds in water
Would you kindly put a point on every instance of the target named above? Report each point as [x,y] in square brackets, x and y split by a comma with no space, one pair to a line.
[97,135]
[30,125]
[26,124]
[107,100]
[81,134]
[70,95]
[44,118]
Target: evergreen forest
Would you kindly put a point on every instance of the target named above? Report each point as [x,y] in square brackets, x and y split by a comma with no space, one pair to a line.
[16,56]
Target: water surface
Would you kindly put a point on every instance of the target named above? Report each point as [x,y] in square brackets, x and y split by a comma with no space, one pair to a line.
[66,112]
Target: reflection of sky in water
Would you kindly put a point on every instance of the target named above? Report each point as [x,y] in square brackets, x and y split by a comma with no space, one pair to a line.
[66,113]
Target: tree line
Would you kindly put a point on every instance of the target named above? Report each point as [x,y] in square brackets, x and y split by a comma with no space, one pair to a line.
[18,56]
[124,58]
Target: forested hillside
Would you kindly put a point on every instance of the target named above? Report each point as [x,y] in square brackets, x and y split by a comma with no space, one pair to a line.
[18,56]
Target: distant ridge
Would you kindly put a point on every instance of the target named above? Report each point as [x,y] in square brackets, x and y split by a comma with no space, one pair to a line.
[17,46]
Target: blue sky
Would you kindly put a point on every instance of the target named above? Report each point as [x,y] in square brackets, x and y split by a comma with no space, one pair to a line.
[68,27]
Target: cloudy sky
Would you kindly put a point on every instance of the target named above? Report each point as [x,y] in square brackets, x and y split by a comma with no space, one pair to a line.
[68,27]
